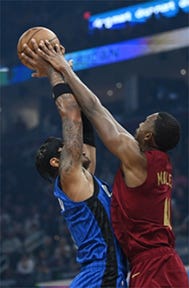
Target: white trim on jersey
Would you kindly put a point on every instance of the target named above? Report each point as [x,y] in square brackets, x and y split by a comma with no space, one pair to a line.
[105,188]
[61,204]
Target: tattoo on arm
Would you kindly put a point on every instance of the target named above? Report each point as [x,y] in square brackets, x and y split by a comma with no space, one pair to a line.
[73,144]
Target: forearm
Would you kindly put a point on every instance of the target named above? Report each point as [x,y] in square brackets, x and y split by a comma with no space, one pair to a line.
[88,131]
[91,107]
[71,131]
[107,127]
[85,97]
[88,101]
[72,150]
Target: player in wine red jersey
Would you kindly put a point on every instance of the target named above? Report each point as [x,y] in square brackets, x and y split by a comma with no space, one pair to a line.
[141,203]
[141,207]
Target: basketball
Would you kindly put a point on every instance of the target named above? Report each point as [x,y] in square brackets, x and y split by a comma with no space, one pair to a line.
[38,33]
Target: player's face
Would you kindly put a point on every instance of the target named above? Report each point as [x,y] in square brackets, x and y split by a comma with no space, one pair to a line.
[145,127]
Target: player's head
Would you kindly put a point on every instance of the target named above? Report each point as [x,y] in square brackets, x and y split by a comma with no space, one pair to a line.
[48,155]
[51,148]
[160,130]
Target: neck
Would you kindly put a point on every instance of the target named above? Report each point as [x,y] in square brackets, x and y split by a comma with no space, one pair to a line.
[149,148]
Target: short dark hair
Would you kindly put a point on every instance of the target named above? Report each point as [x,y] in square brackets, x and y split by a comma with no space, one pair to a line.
[167,131]
[45,152]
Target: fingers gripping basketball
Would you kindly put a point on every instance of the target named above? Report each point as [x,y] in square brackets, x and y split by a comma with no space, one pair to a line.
[38,33]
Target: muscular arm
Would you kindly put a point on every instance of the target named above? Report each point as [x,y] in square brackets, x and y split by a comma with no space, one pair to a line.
[118,140]
[75,181]
[42,68]
[107,127]
[70,159]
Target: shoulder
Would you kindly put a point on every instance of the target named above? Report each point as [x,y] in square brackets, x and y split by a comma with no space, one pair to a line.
[157,155]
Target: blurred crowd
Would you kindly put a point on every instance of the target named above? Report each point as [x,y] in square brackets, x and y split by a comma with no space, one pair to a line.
[35,243]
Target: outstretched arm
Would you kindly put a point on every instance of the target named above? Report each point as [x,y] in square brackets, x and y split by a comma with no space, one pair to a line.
[75,181]
[43,68]
[118,140]
[89,103]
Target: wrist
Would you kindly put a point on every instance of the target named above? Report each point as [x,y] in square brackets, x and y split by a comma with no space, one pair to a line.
[66,70]
[55,77]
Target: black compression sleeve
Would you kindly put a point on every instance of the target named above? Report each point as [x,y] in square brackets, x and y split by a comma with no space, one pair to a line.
[88,131]
[59,89]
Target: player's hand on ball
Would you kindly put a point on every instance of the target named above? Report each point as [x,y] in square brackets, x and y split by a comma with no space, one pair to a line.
[54,55]
[39,33]
[33,59]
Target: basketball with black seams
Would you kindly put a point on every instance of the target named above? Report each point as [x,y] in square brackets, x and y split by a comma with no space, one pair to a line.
[38,33]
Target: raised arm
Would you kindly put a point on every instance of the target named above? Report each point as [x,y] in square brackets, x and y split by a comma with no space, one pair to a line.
[118,140]
[44,69]
[75,181]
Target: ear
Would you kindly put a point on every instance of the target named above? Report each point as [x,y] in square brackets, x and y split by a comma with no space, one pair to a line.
[62,49]
[54,162]
[148,137]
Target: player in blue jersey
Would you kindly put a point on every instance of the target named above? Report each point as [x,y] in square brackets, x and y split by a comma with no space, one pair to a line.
[84,199]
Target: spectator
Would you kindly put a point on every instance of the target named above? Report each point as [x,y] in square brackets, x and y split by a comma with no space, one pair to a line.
[25,271]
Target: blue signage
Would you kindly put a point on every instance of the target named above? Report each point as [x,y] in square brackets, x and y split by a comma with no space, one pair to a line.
[116,19]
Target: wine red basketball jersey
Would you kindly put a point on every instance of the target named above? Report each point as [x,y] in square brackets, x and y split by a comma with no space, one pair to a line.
[141,216]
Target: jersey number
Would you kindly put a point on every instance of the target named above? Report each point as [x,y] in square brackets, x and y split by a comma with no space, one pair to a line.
[167,213]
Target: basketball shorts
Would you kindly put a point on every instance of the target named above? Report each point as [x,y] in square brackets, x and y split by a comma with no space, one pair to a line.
[158,268]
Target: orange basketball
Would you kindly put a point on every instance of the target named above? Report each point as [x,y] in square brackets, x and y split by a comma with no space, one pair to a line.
[38,33]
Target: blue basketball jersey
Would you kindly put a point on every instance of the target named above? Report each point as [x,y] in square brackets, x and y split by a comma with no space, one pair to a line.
[102,262]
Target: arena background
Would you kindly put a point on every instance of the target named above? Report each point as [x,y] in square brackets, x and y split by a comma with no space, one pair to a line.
[136,61]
